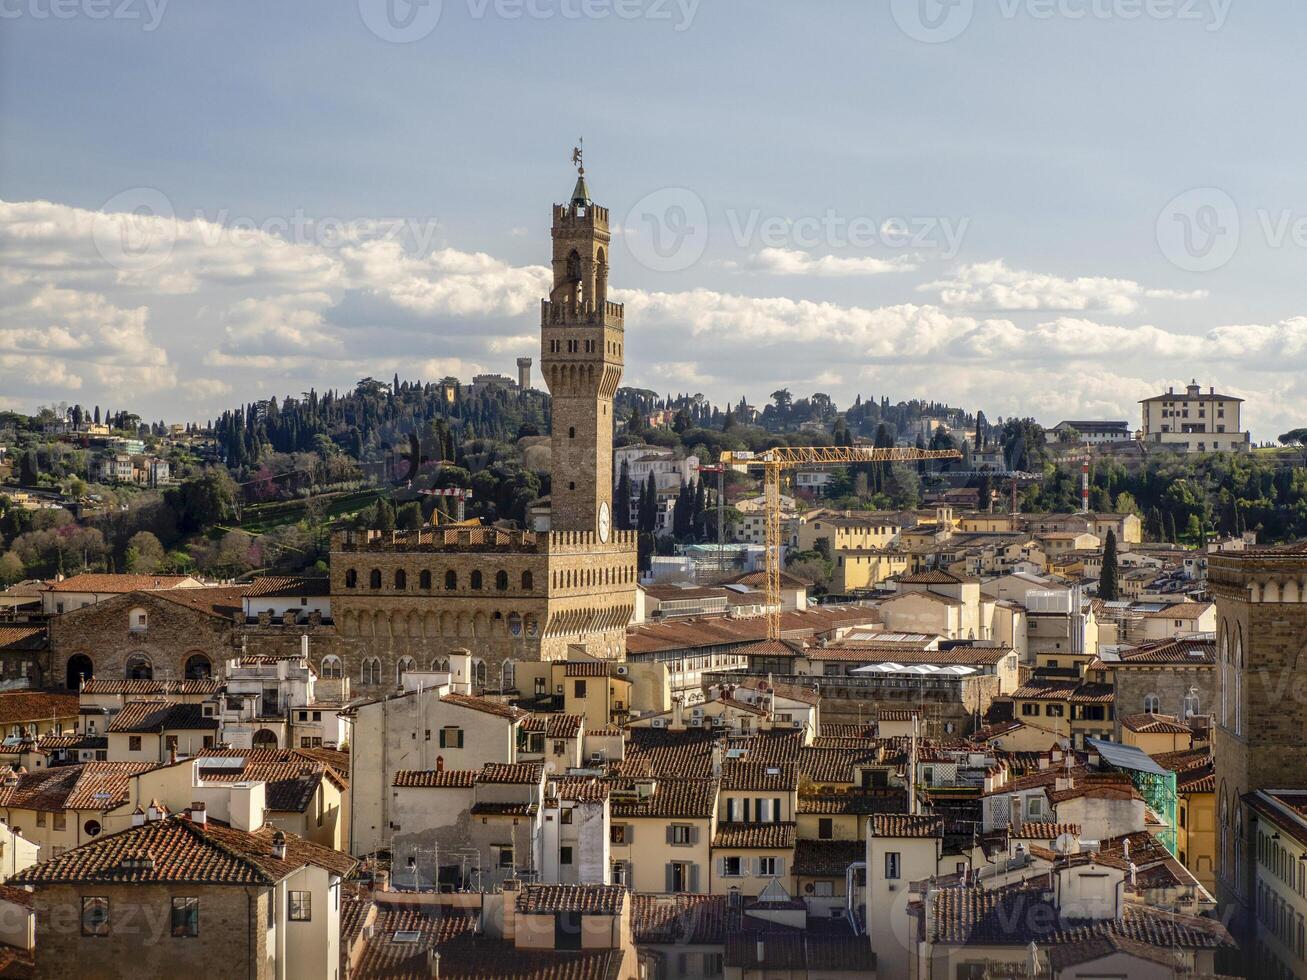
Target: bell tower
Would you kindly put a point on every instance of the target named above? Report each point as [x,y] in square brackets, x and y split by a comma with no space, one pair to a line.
[581,339]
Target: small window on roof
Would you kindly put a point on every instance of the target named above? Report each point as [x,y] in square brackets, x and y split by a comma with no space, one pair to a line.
[406,936]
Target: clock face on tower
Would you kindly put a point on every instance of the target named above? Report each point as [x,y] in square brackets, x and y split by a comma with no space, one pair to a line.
[604,522]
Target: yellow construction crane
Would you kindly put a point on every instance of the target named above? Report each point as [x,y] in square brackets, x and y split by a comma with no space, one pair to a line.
[776,461]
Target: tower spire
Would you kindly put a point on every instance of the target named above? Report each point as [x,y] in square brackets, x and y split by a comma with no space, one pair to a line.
[580,193]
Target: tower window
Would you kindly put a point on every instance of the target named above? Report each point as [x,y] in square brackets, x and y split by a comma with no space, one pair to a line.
[374,578]
[571,485]
[476,580]
[451,580]
[571,432]
[501,580]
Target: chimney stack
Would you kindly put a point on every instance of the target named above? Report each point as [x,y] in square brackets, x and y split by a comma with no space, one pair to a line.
[138,817]
[279,846]
[199,814]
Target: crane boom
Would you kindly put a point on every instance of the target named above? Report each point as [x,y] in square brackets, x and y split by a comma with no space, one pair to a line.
[781,458]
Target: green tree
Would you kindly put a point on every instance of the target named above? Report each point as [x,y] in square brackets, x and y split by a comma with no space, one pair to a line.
[145,554]
[1109,586]
[11,568]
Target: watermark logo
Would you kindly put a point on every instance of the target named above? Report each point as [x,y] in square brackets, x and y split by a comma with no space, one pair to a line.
[135,230]
[148,12]
[667,231]
[401,21]
[933,21]
[1199,230]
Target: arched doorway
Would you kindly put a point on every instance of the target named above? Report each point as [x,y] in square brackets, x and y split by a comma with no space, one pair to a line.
[80,668]
[264,739]
[198,667]
[139,668]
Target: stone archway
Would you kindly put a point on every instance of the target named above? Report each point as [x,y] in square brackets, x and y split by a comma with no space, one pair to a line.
[264,739]
[198,668]
[80,668]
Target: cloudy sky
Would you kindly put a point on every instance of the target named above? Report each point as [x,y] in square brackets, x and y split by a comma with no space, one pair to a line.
[1045,207]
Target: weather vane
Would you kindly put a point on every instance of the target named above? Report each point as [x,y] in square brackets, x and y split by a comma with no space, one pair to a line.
[577,153]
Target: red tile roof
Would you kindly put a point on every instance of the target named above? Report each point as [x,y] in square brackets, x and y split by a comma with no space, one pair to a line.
[827,858]
[176,850]
[288,586]
[555,726]
[87,786]
[110,583]
[585,899]
[160,716]
[18,707]
[485,705]
[755,836]
[519,773]
[677,799]
[1150,724]
[436,779]
[906,825]
[19,638]
[778,777]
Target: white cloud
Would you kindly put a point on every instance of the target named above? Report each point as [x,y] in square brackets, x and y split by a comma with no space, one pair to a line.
[795,262]
[996,286]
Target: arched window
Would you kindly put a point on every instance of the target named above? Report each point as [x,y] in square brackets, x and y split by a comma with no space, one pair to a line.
[451,580]
[374,578]
[424,579]
[528,581]
[351,578]
[1191,703]
[401,580]
[265,739]
[332,668]
[139,668]
[1238,691]
[510,678]
[501,580]
[440,663]
[403,666]
[79,669]
[479,672]
[138,620]
[372,670]
[1152,703]
[198,667]
[476,580]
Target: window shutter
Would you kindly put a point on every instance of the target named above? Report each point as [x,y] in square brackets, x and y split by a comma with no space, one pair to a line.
[747,808]
[694,839]
[721,867]
[629,834]
[757,868]
[669,878]
[669,833]
[694,878]
[780,867]
[776,810]
[442,738]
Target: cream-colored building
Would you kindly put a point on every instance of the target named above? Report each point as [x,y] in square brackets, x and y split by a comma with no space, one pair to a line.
[1195,421]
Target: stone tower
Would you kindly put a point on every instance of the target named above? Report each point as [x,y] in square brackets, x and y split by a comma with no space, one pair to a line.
[581,339]
[1259,721]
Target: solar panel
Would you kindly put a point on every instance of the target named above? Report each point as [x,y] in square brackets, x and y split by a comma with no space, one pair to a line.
[1126,757]
[228,762]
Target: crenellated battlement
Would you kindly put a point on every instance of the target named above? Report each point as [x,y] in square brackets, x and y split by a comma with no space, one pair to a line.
[439,539]
[575,217]
[587,315]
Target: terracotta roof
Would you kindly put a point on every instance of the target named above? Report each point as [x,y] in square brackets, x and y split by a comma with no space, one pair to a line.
[758,580]
[17,707]
[290,586]
[755,836]
[931,596]
[1021,915]
[19,638]
[18,896]
[292,783]
[860,804]
[86,786]
[1180,610]
[1040,689]
[816,955]
[484,705]
[519,773]
[659,752]
[383,956]
[435,778]
[1150,724]
[1093,694]
[779,777]
[1194,651]
[221,602]
[585,899]
[1184,760]
[176,850]
[827,858]
[555,726]
[680,799]
[121,687]
[159,716]
[935,577]
[1044,830]
[111,583]
[680,919]
[844,730]
[580,789]
[906,825]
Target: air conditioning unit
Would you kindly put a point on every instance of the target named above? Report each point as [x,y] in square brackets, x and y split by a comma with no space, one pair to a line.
[659,723]
[892,887]
[622,670]
[597,758]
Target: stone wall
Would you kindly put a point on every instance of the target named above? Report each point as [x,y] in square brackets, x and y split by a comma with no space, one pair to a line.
[140,943]
[173,635]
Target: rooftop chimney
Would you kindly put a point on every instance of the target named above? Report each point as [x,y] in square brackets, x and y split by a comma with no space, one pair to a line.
[761,951]
[199,814]
[279,846]
[138,817]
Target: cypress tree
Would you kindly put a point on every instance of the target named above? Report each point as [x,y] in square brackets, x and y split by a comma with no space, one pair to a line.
[1109,586]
